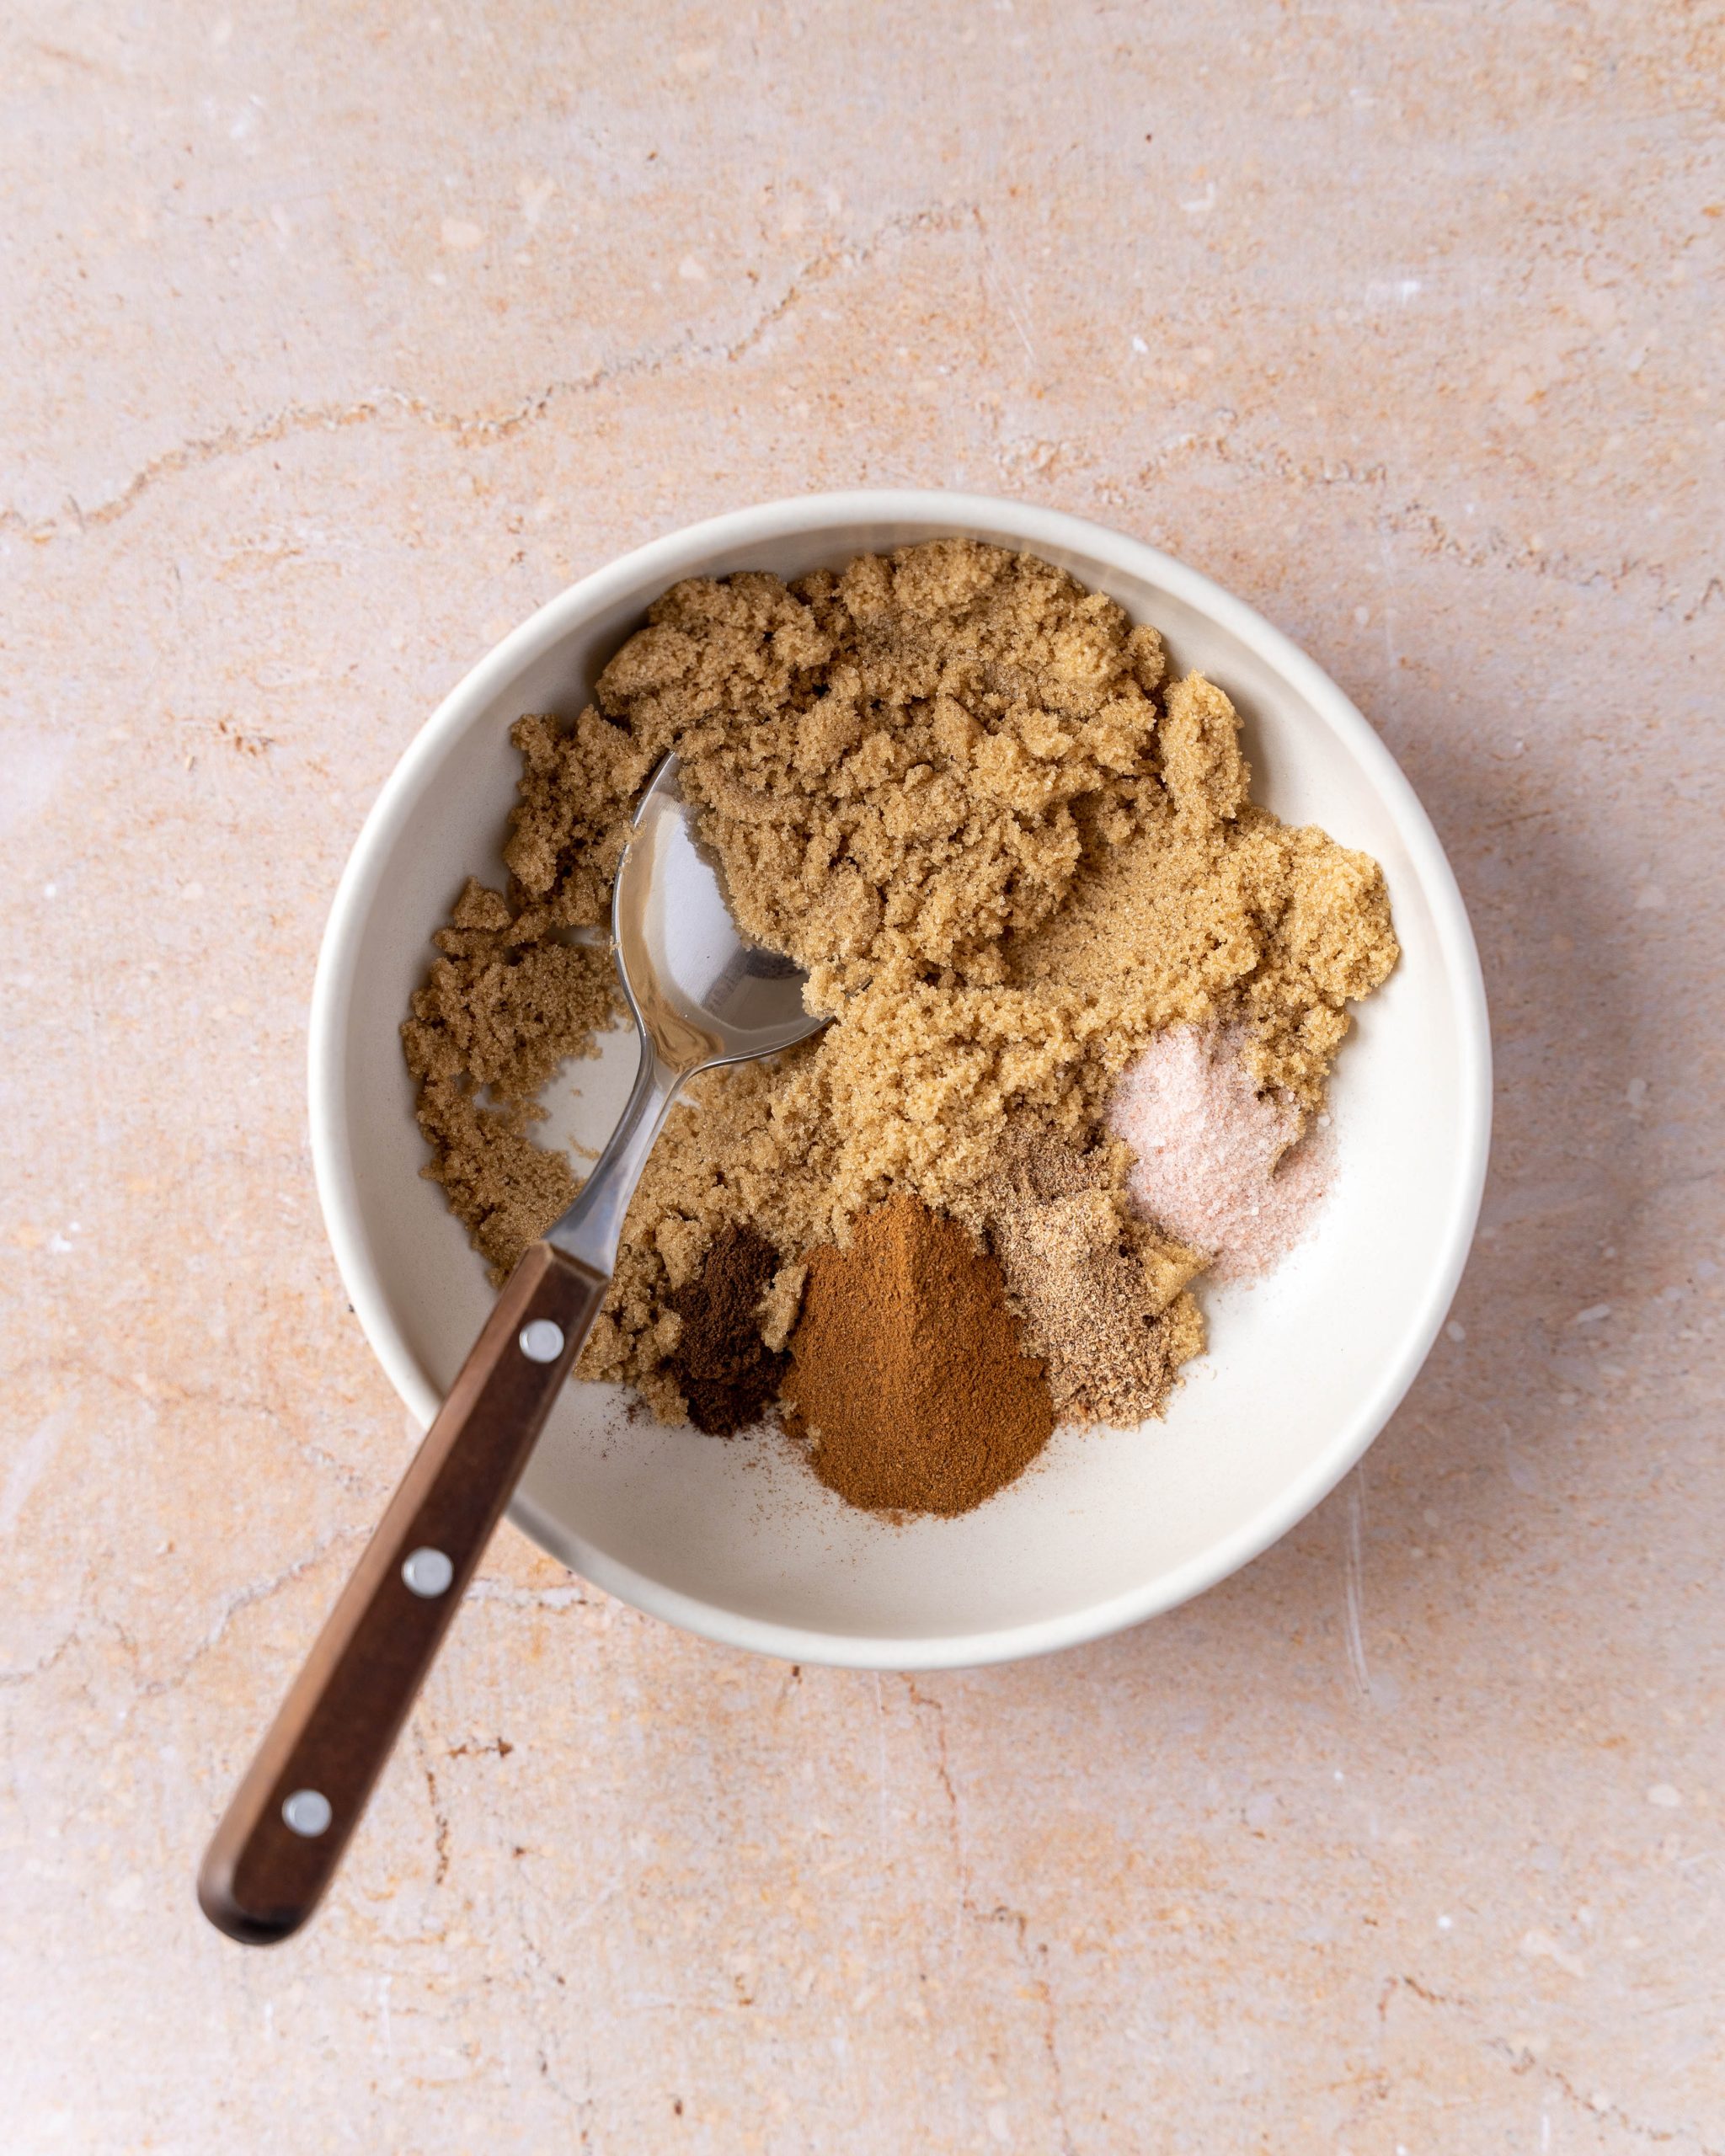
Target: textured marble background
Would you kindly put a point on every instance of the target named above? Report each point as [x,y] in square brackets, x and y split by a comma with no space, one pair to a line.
[334,339]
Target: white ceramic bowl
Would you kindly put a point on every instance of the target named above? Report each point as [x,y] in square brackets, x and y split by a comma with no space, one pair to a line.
[736,1540]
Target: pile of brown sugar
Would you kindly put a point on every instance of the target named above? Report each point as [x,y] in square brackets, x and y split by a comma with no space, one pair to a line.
[908,1384]
[503,1007]
[959,789]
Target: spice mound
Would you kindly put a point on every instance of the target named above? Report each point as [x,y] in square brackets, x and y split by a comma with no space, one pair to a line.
[1013,856]
[729,1376]
[909,1383]
[1101,1288]
[1216,1162]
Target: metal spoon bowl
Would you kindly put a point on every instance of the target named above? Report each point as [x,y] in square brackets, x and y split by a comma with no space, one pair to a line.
[701,995]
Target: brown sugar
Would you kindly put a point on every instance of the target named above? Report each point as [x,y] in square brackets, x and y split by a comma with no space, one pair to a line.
[909,1383]
[956,787]
[503,1007]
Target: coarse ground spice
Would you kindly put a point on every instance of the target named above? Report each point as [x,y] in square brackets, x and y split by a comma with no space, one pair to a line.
[1101,1291]
[909,1383]
[727,1373]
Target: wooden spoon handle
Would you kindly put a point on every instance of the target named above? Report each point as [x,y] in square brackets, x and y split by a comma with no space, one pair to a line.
[282,1837]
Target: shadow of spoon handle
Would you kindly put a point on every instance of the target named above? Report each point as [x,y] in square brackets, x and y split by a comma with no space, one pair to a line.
[282,1838]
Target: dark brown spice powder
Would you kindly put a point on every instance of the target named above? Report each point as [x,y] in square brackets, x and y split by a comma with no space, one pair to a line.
[728,1374]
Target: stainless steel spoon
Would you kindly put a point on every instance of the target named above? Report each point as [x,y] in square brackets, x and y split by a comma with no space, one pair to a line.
[701,997]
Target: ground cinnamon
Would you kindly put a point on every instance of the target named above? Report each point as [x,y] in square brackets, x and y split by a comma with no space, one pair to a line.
[726,1371]
[908,1382]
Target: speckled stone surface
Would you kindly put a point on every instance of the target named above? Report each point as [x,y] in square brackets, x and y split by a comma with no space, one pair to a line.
[335,340]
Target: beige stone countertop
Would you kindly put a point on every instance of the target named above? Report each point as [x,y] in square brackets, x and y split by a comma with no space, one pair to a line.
[337,339]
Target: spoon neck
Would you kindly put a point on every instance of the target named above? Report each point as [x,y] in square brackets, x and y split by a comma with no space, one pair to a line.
[593,1225]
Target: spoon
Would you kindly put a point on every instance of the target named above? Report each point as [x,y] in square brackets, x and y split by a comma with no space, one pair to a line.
[701,997]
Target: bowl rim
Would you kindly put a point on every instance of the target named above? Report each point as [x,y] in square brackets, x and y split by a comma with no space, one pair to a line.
[686,552]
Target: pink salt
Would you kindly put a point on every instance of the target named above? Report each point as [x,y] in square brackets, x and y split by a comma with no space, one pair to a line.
[1219,1164]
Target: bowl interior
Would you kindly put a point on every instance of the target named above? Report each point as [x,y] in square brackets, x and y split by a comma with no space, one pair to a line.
[736,1539]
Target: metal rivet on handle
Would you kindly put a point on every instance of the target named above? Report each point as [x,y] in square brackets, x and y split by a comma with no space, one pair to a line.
[542,1342]
[307,1812]
[428,1572]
